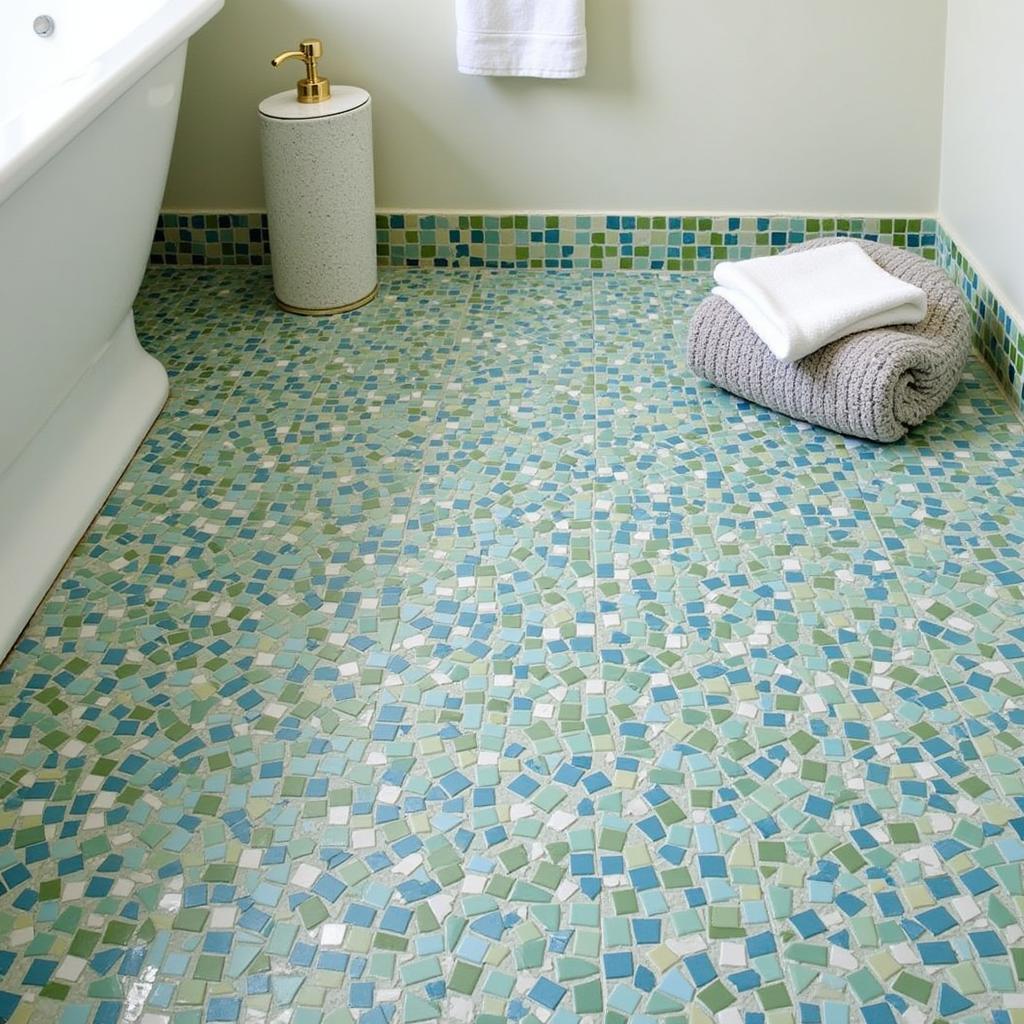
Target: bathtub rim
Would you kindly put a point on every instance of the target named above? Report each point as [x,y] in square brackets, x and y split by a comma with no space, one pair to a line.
[86,98]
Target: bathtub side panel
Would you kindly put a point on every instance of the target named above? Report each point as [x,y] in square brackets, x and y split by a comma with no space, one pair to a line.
[77,391]
[74,241]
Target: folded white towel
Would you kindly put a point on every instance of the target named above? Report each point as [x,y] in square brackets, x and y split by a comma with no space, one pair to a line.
[535,38]
[798,302]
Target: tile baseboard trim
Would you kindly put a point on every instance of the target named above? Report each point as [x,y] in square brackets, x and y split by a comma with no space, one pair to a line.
[685,242]
[997,331]
[211,239]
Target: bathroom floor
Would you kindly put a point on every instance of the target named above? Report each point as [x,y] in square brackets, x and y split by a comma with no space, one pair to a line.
[465,659]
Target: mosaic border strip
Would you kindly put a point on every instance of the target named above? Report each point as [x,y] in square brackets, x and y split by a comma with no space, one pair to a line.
[211,240]
[997,335]
[539,240]
[617,242]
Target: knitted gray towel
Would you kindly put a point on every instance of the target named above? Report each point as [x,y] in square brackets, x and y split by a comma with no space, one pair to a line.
[874,384]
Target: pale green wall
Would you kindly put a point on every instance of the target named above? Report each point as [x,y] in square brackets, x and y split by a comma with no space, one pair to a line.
[982,199]
[738,105]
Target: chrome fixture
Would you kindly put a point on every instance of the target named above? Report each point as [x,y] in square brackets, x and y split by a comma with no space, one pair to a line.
[44,25]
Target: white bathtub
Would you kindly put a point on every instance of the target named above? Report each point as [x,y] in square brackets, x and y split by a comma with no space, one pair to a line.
[87,119]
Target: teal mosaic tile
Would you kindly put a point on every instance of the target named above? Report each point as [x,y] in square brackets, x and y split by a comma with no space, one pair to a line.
[541,241]
[465,658]
[997,333]
[211,239]
[619,241]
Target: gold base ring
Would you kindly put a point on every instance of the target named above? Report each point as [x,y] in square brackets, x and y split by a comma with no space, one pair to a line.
[330,310]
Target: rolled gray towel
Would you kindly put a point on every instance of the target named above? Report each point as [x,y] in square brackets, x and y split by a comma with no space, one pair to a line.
[874,384]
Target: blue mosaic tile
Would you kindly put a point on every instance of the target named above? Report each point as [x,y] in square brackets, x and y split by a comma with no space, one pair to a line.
[466,658]
[540,240]
[997,331]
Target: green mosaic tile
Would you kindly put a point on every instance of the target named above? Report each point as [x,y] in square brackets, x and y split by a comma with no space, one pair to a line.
[465,658]
[539,240]
[997,332]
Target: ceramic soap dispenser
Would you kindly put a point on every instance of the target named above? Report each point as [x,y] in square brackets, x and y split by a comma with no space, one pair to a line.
[317,147]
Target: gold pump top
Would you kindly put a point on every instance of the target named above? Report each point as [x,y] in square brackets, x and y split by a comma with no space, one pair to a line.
[312,88]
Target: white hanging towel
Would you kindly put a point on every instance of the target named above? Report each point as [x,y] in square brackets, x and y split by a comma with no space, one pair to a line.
[532,38]
[798,302]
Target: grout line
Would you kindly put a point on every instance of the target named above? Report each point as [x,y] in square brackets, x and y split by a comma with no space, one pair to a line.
[437,430]
[927,715]
[1012,400]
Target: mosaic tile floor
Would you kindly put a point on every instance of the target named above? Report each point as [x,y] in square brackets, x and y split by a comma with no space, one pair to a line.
[465,659]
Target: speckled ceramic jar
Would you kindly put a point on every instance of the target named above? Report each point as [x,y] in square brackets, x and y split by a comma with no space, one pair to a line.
[318,176]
